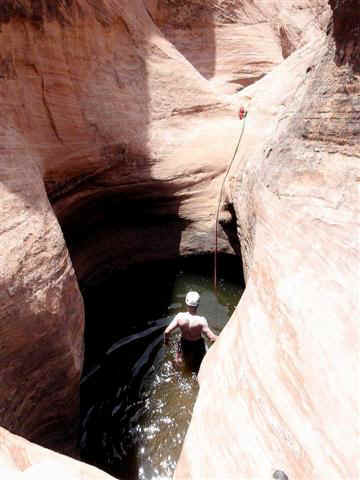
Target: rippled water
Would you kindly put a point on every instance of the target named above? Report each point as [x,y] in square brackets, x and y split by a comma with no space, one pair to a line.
[136,403]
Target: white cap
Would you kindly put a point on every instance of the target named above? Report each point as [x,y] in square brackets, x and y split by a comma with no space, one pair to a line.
[192,299]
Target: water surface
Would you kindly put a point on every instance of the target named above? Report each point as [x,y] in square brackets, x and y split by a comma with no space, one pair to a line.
[136,404]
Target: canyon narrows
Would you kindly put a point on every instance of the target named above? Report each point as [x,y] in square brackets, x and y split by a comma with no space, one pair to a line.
[135,403]
[118,122]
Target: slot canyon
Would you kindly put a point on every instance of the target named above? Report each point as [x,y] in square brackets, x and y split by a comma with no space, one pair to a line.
[119,122]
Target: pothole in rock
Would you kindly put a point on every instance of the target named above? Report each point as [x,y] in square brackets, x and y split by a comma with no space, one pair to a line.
[136,404]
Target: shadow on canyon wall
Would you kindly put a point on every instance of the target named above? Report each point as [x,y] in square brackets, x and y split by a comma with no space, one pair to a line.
[346,32]
[78,112]
[189,25]
[122,214]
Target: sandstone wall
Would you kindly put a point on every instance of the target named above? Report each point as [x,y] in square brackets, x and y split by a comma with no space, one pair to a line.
[119,115]
[41,325]
[287,398]
[121,110]
[76,126]
[22,460]
[232,43]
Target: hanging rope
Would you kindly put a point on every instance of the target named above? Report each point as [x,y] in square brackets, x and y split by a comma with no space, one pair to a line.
[242,116]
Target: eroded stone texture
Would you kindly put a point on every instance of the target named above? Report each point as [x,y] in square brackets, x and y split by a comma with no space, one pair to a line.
[233,43]
[120,122]
[286,398]
[120,118]
[41,322]
[104,102]
[85,111]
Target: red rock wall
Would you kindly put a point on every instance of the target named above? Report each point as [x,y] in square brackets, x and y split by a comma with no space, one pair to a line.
[120,117]
[22,460]
[41,324]
[120,112]
[233,44]
[285,398]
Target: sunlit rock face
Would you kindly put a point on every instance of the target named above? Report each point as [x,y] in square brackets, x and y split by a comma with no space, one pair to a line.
[278,391]
[102,116]
[119,120]
[233,43]
[123,106]
[115,118]
[23,460]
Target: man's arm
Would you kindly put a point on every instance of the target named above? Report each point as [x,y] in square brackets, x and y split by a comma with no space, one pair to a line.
[209,333]
[173,325]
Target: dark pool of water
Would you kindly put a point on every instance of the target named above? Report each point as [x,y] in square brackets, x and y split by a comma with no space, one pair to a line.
[136,404]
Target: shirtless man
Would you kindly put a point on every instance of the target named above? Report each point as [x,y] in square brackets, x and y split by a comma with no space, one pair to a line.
[192,327]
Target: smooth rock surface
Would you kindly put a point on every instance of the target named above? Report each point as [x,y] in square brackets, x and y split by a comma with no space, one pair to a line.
[41,320]
[232,43]
[129,128]
[84,120]
[286,398]
[112,111]
[23,460]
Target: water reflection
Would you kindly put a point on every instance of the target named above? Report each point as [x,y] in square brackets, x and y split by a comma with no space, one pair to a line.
[166,415]
[140,403]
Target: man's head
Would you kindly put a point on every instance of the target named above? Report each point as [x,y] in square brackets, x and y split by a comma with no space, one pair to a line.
[192,300]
